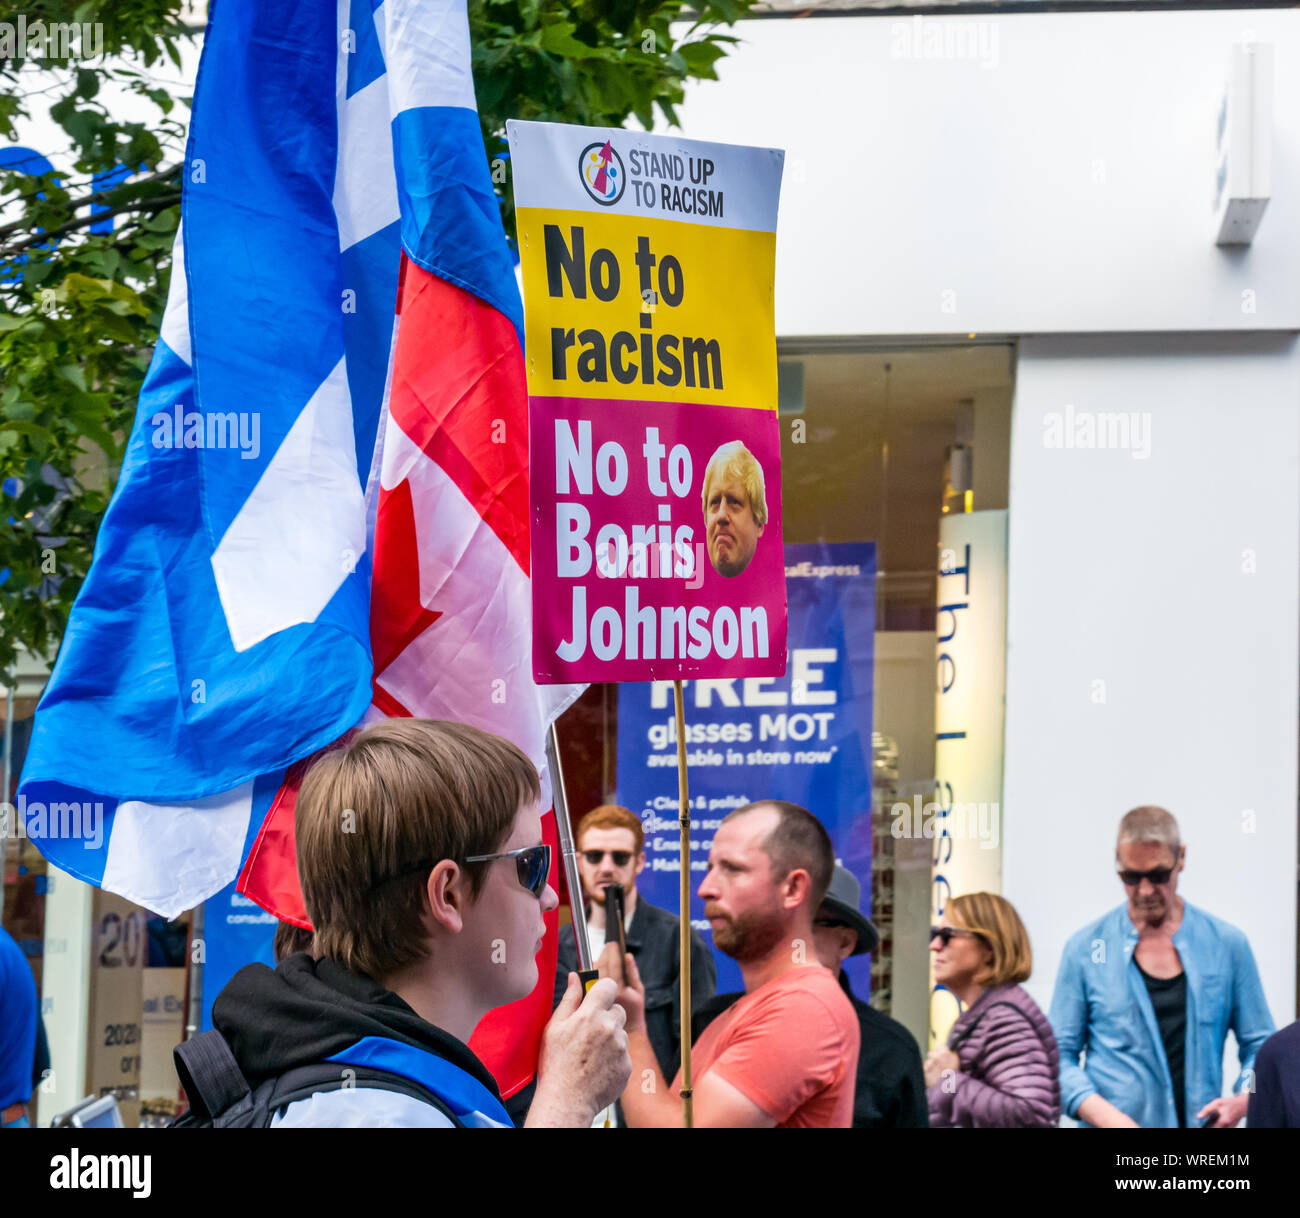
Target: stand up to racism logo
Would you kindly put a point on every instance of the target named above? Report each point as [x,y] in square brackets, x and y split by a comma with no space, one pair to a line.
[601,171]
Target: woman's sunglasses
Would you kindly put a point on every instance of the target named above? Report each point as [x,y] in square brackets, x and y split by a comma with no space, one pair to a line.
[621,857]
[945,934]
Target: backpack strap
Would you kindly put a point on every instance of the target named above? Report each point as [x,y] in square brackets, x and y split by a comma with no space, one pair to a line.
[210,1074]
[305,1081]
[221,1097]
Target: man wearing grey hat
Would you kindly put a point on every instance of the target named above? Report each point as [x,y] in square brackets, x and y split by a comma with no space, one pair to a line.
[891,1080]
[890,1091]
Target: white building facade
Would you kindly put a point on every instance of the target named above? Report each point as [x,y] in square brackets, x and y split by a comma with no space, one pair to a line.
[1048,179]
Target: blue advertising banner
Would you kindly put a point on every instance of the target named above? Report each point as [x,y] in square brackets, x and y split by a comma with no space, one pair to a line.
[804,737]
[236,932]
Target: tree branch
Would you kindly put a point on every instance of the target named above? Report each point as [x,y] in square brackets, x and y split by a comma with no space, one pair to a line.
[159,175]
[157,203]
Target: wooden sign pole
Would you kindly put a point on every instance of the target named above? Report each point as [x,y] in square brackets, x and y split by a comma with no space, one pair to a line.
[684,820]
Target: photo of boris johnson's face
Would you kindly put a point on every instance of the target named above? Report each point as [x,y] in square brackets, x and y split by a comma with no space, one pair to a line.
[735,508]
[731,530]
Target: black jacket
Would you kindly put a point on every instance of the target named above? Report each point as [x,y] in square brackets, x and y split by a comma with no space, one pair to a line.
[652,940]
[891,1082]
[890,1089]
[1275,1098]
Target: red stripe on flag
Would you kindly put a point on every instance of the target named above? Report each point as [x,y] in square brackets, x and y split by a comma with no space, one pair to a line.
[270,874]
[459,392]
[397,615]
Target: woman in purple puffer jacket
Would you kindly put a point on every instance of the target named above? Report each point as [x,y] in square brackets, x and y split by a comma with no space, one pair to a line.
[1000,1068]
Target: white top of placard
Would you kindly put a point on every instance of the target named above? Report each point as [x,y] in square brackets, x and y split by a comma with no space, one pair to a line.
[556,166]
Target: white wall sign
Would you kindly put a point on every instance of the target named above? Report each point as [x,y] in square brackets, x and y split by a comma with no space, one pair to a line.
[965,819]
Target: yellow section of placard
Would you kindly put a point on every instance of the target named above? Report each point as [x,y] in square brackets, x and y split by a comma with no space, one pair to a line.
[647,310]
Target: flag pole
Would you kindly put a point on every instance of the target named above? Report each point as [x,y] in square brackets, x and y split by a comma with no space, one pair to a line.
[684,910]
[194,982]
[564,831]
[569,855]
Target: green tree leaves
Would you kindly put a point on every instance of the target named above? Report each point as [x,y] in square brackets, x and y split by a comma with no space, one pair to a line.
[80,310]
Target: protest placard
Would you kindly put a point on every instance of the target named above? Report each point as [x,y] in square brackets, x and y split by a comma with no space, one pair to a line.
[648,266]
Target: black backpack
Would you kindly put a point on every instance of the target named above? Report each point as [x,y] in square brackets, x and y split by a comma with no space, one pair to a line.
[221,1098]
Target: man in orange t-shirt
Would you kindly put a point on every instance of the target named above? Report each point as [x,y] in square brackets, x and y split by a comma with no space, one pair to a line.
[786,1054]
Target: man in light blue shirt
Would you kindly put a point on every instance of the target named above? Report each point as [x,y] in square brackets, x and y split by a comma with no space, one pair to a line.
[1146,994]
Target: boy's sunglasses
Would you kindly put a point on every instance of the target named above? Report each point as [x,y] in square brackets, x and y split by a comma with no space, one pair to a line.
[621,857]
[1157,875]
[532,866]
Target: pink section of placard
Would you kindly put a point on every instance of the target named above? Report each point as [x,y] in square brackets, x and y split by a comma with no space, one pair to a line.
[694,610]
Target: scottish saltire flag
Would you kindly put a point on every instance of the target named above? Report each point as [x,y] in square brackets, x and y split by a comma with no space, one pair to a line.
[322,514]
